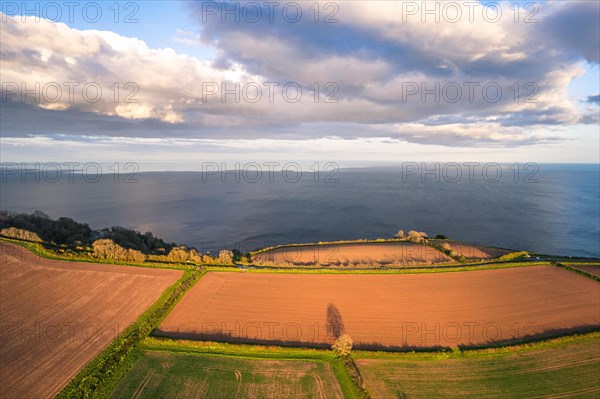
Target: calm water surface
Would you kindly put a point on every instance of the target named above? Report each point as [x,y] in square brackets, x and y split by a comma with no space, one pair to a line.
[555,211]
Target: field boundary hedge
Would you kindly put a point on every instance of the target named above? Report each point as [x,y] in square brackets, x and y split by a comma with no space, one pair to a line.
[578,271]
[101,375]
[483,351]
[398,270]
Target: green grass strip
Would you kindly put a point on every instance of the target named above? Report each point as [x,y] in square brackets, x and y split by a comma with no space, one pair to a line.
[457,353]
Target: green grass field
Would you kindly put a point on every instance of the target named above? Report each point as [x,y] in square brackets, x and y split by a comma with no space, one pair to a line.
[177,375]
[565,368]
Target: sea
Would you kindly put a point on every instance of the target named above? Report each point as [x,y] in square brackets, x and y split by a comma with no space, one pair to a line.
[544,208]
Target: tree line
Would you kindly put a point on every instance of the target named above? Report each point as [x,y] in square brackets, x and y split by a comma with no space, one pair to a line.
[110,244]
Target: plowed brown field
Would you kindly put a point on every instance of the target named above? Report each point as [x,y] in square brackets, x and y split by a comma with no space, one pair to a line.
[593,270]
[470,251]
[56,316]
[398,253]
[391,311]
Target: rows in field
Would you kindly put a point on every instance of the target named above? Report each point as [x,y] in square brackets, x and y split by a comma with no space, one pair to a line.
[360,254]
[558,371]
[391,311]
[57,316]
[168,375]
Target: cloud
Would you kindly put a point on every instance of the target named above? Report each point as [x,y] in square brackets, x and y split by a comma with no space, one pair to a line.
[378,72]
[594,99]
[574,28]
[187,37]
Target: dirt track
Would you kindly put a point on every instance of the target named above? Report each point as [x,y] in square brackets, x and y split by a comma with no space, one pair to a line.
[399,253]
[56,316]
[416,310]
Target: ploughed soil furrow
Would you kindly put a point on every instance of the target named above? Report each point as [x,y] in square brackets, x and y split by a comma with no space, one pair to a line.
[56,316]
[362,254]
[388,311]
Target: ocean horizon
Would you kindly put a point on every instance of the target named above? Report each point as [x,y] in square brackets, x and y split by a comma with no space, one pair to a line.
[544,208]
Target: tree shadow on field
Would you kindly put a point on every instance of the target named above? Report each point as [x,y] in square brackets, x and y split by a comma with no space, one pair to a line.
[334,324]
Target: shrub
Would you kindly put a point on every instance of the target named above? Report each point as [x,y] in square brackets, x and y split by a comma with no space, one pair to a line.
[106,249]
[20,234]
[182,254]
[448,250]
[226,257]
[178,254]
[417,237]
[512,256]
[343,345]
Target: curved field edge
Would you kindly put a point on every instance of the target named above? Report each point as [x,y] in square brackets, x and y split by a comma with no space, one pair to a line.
[508,254]
[99,377]
[350,388]
[357,241]
[38,249]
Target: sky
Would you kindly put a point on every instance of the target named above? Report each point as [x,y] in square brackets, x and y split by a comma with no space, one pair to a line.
[182,82]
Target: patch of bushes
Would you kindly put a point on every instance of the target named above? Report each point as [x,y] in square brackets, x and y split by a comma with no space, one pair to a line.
[146,243]
[20,234]
[512,256]
[106,249]
[418,237]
